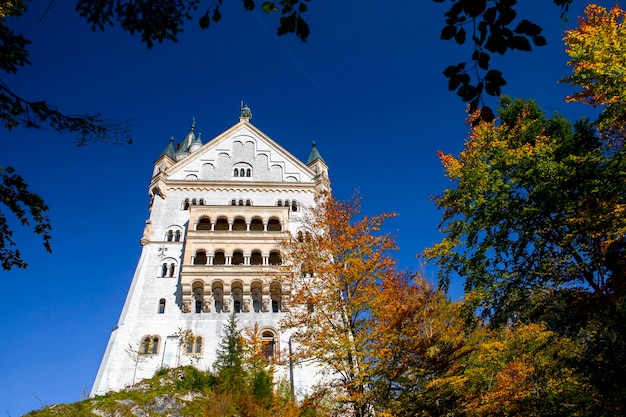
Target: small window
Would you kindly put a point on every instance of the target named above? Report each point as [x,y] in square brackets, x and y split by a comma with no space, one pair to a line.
[242,172]
[280,203]
[256,258]
[149,345]
[170,235]
[194,346]
[186,204]
[172,269]
[202,201]
[275,306]
[164,270]
[233,202]
[198,349]
[237,258]
[219,258]
[294,205]
[200,258]
[241,202]
[235,172]
[275,258]
[198,306]
[204,224]
[273,225]
[248,172]
[221,224]
[269,344]
[248,203]
[177,236]
[237,306]
[161,306]
[194,202]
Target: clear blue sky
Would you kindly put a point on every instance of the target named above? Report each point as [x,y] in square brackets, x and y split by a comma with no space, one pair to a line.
[367,87]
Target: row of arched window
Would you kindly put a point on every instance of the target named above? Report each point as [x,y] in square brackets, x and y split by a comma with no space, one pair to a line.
[173,236]
[242,172]
[192,202]
[237,257]
[151,344]
[239,224]
[293,205]
[240,202]
[203,301]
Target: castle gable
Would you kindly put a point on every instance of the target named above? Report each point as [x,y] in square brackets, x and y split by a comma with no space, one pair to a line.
[241,153]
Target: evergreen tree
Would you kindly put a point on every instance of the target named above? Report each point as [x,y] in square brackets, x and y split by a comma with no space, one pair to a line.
[229,363]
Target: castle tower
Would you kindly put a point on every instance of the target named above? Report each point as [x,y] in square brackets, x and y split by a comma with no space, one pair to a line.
[209,248]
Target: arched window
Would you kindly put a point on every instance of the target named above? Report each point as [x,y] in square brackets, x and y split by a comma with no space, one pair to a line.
[204,224]
[275,258]
[170,235]
[221,224]
[242,172]
[172,269]
[273,225]
[194,202]
[219,258]
[255,294]
[237,258]
[300,236]
[235,172]
[256,258]
[161,309]
[248,172]
[239,225]
[200,258]
[164,270]
[177,236]
[276,295]
[149,345]
[218,298]
[294,205]
[202,201]
[186,204]
[241,201]
[256,225]
[233,202]
[280,203]
[194,346]
[248,203]
[198,296]
[237,294]
[269,344]
[199,346]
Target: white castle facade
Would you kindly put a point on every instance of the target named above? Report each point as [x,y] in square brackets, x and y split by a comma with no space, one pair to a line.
[209,248]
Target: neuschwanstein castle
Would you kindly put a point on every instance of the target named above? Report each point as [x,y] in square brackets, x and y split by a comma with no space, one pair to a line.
[209,248]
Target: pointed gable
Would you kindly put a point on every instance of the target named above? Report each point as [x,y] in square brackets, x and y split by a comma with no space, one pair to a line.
[242,153]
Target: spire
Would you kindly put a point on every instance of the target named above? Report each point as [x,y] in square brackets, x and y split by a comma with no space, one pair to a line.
[315,154]
[169,149]
[245,112]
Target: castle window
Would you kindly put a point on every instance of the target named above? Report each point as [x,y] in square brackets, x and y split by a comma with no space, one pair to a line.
[164,270]
[177,236]
[194,202]
[172,269]
[242,172]
[248,203]
[218,297]
[235,172]
[200,258]
[219,258]
[204,224]
[237,306]
[275,295]
[269,343]
[149,345]
[280,203]
[221,224]
[198,296]
[233,202]
[256,258]
[237,258]
[161,309]
[239,225]
[248,172]
[186,204]
[294,205]
[273,225]
[300,236]
[194,346]
[255,294]
[241,202]
[256,225]
[275,258]
[170,235]
[202,201]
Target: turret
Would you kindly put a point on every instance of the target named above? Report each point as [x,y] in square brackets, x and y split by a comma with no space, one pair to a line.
[317,164]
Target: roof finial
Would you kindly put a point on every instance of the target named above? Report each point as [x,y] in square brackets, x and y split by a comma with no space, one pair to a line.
[245,113]
[193,122]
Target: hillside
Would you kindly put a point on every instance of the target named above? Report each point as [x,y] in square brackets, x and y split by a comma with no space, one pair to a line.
[180,392]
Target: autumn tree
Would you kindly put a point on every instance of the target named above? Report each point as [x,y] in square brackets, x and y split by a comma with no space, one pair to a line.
[331,267]
[534,225]
[597,50]
[526,370]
